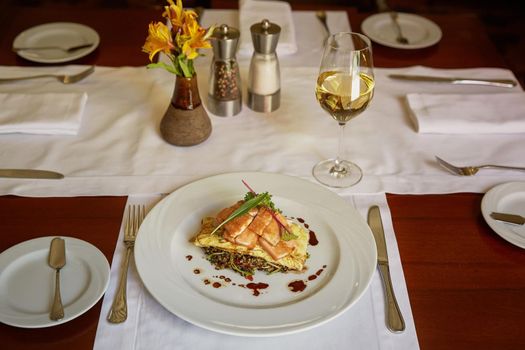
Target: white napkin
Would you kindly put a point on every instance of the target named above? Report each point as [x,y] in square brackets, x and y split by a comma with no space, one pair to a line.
[502,113]
[278,12]
[41,113]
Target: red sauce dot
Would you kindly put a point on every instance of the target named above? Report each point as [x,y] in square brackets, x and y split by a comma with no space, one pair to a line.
[256,286]
[196,271]
[216,285]
[312,240]
[319,272]
[312,277]
[297,286]
[301,220]
[306,226]
[227,279]
[206,281]
[189,257]
[249,278]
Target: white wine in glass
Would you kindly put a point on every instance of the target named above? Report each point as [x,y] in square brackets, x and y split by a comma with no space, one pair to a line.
[344,89]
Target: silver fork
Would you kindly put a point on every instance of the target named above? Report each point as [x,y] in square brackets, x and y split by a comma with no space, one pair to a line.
[63,78]
[400,38]
[119,309]
[472,170]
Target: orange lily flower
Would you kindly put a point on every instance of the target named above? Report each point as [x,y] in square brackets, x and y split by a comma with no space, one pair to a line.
[197,39]
[158,40]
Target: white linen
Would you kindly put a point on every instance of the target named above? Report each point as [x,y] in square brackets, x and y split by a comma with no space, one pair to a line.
[278,12]
[150,326]
[468,113]
[41,113]
[121,152]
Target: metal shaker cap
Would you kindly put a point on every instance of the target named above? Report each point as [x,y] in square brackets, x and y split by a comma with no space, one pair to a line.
[224,41]
[265,36]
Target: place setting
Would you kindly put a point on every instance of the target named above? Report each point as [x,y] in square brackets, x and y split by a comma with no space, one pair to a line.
[256,197]
[56,42]
[48,281]
[400,30]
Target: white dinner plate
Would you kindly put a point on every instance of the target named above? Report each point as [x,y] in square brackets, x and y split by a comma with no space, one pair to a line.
[419,31]
[27,282]
[63,34]
[177,275]
[506,198]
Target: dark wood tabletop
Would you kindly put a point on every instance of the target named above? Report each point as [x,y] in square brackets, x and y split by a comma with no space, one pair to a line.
[466,285]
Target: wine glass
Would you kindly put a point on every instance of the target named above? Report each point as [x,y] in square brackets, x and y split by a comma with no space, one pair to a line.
[344,89]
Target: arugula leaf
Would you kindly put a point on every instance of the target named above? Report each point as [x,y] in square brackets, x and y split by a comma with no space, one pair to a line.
[244,208]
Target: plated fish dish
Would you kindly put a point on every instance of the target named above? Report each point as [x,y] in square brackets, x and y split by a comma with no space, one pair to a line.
[253,235]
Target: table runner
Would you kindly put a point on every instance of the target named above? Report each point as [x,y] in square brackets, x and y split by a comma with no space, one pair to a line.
[150,326]
[119,151]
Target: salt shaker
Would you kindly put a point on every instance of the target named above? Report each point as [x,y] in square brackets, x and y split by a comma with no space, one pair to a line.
[264,79]
[224,94]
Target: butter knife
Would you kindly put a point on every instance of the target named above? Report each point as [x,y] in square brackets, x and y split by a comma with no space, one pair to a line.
[394,320]
[30,174]
[507,83]
[509,218]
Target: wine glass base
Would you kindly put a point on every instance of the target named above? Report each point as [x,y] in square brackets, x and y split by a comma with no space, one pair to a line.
[327,173]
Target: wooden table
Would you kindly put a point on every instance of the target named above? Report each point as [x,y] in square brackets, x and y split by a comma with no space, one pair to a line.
[466,285]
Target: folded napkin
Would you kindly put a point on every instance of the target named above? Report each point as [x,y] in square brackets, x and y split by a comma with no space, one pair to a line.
[502,113]
[42,113]
[278,12]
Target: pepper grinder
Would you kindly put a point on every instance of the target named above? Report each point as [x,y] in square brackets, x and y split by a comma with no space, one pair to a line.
[224,94]
[264,79]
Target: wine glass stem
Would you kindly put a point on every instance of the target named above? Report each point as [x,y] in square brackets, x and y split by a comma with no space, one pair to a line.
[338,168]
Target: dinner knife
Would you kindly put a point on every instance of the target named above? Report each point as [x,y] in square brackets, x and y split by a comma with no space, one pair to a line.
[509,218]
[394,320]
[30,174]
[507,83]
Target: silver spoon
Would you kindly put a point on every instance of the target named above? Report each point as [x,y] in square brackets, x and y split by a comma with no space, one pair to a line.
[57,260]
[400,38]
[69,49]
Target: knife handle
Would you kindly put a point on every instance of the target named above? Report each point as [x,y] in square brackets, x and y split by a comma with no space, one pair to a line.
[394,319]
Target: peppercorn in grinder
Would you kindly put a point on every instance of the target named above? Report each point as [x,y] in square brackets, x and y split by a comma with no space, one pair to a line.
[264,79]
[224,94]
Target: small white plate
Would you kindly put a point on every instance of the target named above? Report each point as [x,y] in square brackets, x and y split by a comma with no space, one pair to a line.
[63,34]
[27,282]
[419,31]
[339,271]
[506,198]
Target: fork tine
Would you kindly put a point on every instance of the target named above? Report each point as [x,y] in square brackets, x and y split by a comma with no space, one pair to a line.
[127,229]
[454,170]
[69,79]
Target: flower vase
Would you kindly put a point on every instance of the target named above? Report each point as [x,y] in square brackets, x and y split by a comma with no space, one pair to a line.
[185,122]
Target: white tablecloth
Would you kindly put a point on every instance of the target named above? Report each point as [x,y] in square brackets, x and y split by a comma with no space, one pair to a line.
[119,150]
[150,326]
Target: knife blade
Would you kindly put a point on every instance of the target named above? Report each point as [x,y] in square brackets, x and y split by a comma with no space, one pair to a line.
[30,174]
[507,83]
[509,218]
[394,320]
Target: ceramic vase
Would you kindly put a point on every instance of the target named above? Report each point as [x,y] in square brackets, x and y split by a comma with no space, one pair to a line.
[185,122]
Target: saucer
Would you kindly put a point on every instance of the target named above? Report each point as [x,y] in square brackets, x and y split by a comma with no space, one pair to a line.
[419,31]
[506,198]
[64,34]
[27,282]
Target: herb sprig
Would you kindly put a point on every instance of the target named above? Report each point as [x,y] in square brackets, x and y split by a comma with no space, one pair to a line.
[244,208]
